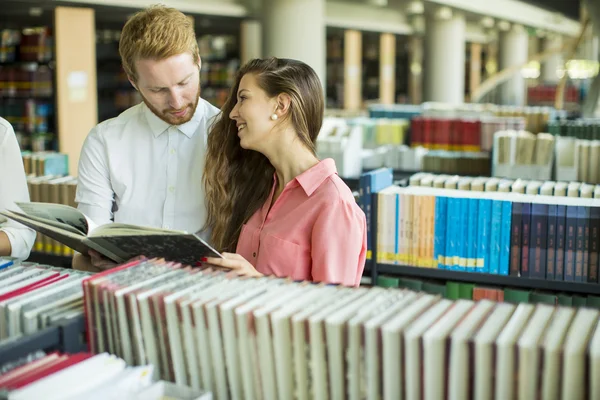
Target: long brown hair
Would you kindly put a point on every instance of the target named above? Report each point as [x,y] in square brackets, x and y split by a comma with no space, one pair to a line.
[238,181]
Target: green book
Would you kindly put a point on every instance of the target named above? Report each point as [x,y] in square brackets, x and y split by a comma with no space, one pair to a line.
[579,301]
[434,288]
[412,284]
[545,298]
[388,281]
[465,291]
[452,290]
[516,296]
[565,300]
[593,302]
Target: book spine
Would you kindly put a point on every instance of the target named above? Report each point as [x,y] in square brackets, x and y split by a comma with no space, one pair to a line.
[526,227]
[397,221]
[495,232]
[485,218]
[586,243]
[505,238]
[515,239]
[463,223]
[561,239]
[367,209]
[441,210]
[538,241]
[570,239]
[579,244]
[551,253]
[450,232]
[472,235]
[594,243]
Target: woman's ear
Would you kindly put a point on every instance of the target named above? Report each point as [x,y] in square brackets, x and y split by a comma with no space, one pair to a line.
[284,101]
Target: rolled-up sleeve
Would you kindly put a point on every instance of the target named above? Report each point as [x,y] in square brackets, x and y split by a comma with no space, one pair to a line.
[95,195]
[339,244]
[13,188]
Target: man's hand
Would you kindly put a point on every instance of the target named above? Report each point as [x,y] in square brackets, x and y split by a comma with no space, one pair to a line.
[233,262]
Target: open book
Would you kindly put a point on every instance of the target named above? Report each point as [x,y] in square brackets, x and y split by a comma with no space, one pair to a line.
[118,242]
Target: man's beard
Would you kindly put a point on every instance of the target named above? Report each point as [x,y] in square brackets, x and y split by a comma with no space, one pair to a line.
[168,117]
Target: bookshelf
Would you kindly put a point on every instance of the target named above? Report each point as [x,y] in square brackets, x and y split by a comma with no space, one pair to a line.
[489,279]
[434,274]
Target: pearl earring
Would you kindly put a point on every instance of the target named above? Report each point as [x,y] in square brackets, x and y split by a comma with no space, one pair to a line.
[274,117]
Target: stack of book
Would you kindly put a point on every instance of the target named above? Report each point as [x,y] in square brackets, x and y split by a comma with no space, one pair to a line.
[272,338]
[33,297]
[459,163]
[587,129]
[45,163]
[83,375]
[521,154]
[55,190]
[546,230]
[577,159]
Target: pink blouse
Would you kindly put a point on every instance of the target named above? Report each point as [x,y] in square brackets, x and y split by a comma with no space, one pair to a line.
[315,230]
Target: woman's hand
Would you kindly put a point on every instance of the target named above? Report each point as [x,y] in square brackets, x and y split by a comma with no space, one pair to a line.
[233,262]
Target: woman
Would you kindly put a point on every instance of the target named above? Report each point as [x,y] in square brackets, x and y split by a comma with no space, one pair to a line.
[269,198]
[15,239]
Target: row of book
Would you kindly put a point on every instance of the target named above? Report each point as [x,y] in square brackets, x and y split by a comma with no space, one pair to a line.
[45,163]
[588,129]
[532,229]
[35,296]
[460,290]
[28,80]
[271,338]
[458,163]
[56,190]
[536,118]
[474,135]
[58,375]
[578,159]
[547,94]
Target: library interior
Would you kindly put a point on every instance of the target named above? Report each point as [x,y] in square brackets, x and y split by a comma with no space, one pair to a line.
[363,199]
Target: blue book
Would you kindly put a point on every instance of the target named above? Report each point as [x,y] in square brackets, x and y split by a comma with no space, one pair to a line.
[451,232]
[373,182]
[551,253]
[495,232]
[440,227]
[463,232]
[538,243]
[472,235]
[505,238]
[5,263]
[484,226]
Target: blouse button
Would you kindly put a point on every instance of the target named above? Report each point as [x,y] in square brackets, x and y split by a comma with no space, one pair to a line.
[254,254]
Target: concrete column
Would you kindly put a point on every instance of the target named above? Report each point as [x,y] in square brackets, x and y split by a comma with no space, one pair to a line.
[513,51]
[352,70]
[387,68]
[475,67]
[445,56]
[549,68]
[296,29]
[251,40]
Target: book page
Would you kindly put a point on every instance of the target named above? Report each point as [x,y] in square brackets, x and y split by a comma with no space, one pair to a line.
[57,213]
[116,229]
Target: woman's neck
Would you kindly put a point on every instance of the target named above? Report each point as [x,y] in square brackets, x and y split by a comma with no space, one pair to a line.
[290,157]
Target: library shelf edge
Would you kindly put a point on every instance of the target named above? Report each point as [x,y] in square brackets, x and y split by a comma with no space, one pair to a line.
[489,279]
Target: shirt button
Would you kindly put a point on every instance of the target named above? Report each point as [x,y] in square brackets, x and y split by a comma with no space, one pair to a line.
[171,188]
[254,255]
[173,151]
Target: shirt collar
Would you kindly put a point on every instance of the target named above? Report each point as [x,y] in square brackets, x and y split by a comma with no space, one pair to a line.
[311,179]
[158,126]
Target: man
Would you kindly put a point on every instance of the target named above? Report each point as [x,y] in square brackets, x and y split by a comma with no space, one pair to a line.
[16,240]
[145,166]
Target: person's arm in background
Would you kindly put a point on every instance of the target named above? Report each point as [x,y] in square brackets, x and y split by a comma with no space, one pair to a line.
[94,196]
[339,244]
[16,240]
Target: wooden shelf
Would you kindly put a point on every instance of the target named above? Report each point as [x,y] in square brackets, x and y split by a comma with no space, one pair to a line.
[489,279]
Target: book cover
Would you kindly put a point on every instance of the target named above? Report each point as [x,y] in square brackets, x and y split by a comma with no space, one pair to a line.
[515,239]
[561,230]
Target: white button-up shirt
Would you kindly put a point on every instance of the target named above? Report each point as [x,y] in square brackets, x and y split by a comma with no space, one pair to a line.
[13,188]
[138,169]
